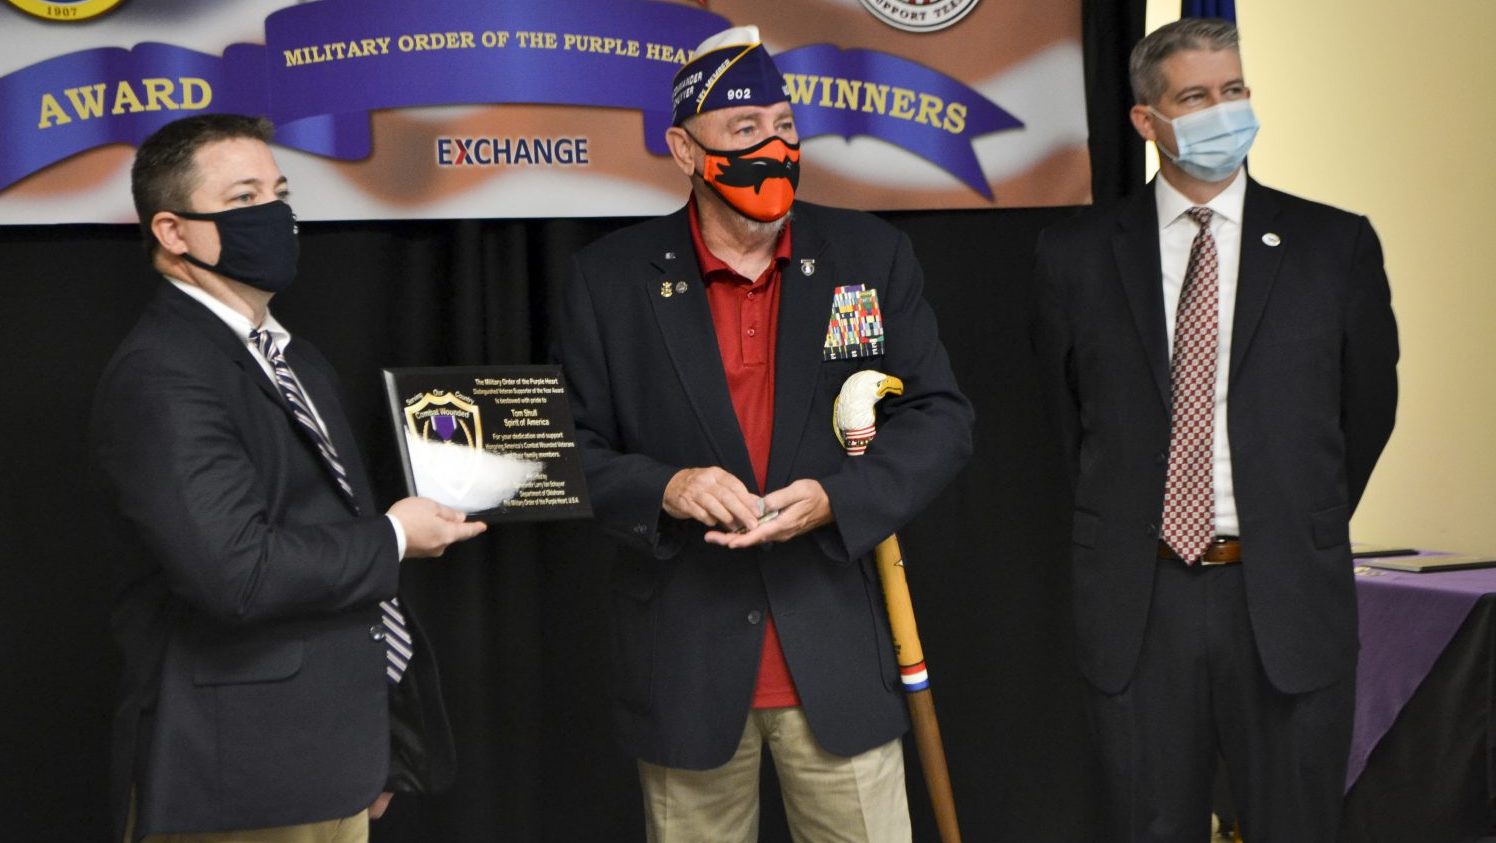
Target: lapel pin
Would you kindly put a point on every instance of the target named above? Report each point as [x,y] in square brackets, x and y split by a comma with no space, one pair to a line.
[680,286]
[1271,239]
[666,290]
[807,266]
[669,256]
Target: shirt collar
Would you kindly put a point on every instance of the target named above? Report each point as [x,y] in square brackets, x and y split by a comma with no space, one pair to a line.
[712,267]
[237,322]
[1227,204]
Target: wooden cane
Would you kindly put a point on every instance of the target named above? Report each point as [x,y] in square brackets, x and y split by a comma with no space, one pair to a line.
[855,429]
[911,659]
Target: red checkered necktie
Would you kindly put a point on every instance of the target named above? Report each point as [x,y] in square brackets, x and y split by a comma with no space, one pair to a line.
[1189,497]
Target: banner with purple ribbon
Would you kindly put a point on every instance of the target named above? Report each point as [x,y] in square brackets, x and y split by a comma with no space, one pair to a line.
[121,96]
[458,108]
[350,55]
[865,92]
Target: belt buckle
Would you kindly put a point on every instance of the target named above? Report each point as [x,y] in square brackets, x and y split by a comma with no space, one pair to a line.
[1217,542]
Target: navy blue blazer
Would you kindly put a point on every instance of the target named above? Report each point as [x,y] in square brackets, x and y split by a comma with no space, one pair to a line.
[1312,397]
[247,590]
[651,398]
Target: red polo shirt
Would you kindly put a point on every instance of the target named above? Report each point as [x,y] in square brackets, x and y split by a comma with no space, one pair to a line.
[745,314]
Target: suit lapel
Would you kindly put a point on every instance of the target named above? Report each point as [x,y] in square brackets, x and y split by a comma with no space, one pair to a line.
[1258,268]
[222,338]
[1135,247]
[804,307]
[685,322]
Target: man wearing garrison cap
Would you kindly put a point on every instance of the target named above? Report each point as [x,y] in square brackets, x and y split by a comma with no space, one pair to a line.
[704,350]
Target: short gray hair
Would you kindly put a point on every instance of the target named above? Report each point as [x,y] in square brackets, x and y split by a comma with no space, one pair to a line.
[1144,67]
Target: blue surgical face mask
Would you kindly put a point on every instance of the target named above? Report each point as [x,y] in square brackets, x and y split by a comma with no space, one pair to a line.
[1212,142]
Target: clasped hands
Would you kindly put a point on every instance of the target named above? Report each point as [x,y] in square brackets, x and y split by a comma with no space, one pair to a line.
[717,498]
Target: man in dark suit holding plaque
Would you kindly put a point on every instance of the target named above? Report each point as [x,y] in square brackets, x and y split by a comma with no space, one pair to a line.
[1221,359]
[256,580]
[703,351]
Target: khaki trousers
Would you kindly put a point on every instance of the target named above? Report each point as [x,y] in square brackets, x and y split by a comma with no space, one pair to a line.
[827,798]
[354,829]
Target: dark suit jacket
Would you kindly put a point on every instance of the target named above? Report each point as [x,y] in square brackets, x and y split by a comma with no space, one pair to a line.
[247,589]
[651,398]
[1312,394]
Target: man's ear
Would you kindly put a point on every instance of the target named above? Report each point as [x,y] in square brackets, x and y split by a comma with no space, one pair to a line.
[682,149]
[168,230]
[1142,122]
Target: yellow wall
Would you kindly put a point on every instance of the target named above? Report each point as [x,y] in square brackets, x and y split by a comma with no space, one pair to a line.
[1388,108]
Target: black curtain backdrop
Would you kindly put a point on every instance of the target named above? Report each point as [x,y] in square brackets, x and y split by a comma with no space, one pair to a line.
[520,619]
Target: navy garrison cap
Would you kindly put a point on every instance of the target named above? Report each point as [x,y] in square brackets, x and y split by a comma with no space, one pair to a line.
[728,69]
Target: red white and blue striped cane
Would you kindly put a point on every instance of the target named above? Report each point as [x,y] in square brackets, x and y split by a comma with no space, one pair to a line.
[855,426]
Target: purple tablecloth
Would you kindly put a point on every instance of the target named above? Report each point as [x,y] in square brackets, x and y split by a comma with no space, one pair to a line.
[1407,620]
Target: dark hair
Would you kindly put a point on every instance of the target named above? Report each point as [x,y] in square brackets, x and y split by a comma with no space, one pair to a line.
[165,171]
[1143,68]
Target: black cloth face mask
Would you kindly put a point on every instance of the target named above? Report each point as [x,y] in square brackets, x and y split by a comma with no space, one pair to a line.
[258,245]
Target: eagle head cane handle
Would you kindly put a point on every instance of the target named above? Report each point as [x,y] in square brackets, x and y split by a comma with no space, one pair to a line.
[856,424]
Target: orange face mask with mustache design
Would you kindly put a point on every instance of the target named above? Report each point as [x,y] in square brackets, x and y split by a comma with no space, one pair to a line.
[758,182]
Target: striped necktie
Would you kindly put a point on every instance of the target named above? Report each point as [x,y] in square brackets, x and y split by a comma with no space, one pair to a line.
[1189,497]
[396,635]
